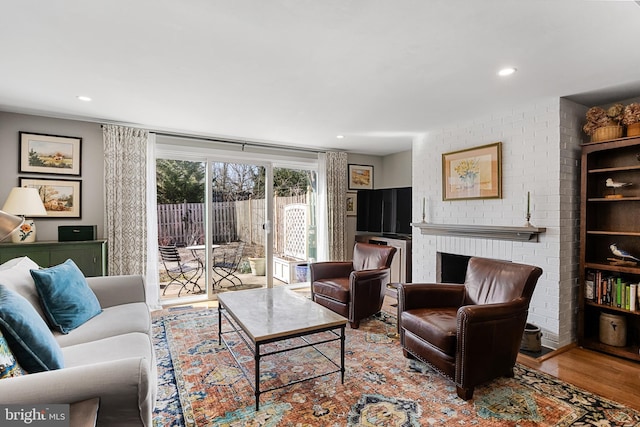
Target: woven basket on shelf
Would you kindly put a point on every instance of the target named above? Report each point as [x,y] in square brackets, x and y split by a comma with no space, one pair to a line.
[606,133]
[633,130]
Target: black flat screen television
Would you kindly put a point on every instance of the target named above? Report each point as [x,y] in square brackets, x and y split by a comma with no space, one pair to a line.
[387,210]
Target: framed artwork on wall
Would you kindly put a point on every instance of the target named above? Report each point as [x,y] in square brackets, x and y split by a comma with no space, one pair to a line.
[360,177]
[50,154]
[474,173]
[61,198]
[352,203]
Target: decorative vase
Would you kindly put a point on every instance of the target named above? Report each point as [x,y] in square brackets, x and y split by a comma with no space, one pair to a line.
[257,266]
[606,133]
[633,129]
[469,180]
[26,233]
[302,273]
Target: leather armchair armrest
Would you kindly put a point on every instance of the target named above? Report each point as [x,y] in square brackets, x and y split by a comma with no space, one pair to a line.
[491,312]
[426,295]
[330,269]
[368,284]
[367,289]
[488,340]
[359,276]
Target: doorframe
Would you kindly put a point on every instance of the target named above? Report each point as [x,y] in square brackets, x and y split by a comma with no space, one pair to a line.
[203,151]
[268,207]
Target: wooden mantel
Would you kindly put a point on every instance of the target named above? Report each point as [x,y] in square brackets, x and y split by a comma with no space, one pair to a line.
[498,232]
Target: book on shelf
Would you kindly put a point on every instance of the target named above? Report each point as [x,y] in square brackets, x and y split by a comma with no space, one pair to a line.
[611,290]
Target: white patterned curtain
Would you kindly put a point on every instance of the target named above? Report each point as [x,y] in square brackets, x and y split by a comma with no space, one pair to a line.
[336,178]
[125,179]
[152,277]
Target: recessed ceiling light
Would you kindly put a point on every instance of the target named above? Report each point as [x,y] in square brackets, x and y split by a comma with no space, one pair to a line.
[83,98]
[506,71]
[340,136]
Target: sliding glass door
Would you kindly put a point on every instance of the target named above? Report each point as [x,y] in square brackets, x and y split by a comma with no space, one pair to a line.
[181,194]
[239,210]
[294,224]
[230,221]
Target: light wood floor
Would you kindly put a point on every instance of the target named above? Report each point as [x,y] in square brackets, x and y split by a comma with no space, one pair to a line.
[611,377]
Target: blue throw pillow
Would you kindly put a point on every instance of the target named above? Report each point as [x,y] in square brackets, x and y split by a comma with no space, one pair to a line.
[29,337]
[67,299]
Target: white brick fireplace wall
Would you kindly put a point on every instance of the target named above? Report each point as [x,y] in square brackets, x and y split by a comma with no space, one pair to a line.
[540,155]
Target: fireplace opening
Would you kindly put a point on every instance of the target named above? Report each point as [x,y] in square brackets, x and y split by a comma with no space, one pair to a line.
[451,268]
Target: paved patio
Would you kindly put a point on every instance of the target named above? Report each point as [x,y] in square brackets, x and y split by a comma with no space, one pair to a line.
[249,280]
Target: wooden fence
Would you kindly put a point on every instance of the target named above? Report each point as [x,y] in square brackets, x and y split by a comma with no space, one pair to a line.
[183,223]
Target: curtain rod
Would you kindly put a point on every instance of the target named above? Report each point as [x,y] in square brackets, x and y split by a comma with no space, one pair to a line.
[238,142]
[231,141]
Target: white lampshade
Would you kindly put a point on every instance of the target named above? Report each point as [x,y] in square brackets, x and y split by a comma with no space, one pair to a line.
[8,223]
[24,201]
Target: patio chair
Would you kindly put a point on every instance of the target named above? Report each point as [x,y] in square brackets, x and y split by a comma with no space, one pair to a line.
[226,265]
[180,273]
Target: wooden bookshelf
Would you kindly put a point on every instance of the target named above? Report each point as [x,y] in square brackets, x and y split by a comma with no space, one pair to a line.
[609,217]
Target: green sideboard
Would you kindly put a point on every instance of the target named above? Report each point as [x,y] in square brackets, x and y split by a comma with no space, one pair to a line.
[90,256]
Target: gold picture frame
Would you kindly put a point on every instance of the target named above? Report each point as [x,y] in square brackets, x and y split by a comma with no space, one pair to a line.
[360,177]
[474,173]
[352,203]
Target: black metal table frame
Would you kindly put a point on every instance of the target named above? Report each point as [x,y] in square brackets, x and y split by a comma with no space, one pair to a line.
[237,329]
[201,263]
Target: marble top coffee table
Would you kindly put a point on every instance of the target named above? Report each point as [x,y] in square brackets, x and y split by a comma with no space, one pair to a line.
[277,314]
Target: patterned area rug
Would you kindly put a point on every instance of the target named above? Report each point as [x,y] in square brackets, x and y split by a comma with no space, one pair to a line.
[200,384]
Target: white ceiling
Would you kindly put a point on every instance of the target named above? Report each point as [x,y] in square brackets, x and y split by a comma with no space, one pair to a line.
[300,72]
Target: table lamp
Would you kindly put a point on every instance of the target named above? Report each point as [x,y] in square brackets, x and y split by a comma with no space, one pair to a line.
[24,201]
[8,223]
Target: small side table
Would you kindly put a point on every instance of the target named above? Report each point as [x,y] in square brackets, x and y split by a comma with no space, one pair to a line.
[392,290]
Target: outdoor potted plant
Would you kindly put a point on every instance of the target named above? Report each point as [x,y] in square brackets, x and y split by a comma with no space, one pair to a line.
[258,266]
[602,124]
[631,118]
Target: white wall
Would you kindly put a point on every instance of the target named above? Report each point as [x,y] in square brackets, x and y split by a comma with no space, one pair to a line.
[396,170]
[540,148]
[92,168]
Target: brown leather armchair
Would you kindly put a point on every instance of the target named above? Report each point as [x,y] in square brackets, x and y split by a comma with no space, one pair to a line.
[470,332]
[354,289]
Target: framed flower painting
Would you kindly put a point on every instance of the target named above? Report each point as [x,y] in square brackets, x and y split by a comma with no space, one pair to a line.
[474,173]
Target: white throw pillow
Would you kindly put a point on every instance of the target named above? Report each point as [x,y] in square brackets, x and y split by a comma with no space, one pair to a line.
[24,261]
[15,275]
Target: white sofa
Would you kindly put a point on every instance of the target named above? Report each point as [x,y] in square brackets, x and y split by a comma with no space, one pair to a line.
[110,356]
